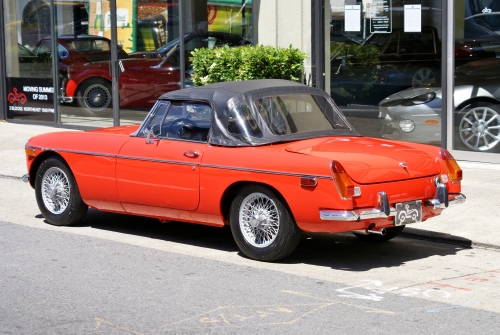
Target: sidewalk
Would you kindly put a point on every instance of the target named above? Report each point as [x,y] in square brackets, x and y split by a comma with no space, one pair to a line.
[473,223]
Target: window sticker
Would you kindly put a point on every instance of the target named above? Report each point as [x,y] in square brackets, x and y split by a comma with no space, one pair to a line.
[413,18]
[381,22]
[352,18]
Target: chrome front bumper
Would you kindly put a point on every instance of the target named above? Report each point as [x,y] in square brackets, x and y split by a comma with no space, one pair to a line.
[62,93]
[64,99]
[380,213]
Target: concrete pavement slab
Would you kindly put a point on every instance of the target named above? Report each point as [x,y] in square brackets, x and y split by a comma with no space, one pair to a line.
[475,222]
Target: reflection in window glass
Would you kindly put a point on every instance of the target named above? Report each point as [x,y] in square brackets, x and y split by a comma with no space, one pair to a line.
[384,79]
[188,121]
[28,76]
[241,121]
[157,116]
[298,113]
[476,120]
[147,32]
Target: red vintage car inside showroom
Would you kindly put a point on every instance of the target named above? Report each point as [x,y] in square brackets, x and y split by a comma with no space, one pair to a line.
[144,76]
[270,158]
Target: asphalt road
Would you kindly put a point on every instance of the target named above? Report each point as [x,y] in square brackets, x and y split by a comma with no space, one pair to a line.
[116,274]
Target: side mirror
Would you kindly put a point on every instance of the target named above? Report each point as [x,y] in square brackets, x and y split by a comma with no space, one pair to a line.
[154,132]
[156,129]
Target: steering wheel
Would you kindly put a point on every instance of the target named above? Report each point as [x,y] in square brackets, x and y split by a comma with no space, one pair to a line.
[174,132]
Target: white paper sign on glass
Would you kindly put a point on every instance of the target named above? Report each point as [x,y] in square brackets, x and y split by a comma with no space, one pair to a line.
[413,18]
[352,18]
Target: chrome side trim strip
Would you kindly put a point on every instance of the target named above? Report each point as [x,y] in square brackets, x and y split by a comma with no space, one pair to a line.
[26,178]
[153,160]
[223,167]
[356,215]
[235,168]
[91,153]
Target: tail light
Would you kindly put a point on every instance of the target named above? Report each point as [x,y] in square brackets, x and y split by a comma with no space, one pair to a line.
[454,171]
[344,184]
[468,50]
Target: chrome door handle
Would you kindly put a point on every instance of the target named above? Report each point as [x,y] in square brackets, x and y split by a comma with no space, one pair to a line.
[191,154]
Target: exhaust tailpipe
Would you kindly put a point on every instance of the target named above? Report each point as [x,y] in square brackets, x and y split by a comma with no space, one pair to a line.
[371,230]
[377,231]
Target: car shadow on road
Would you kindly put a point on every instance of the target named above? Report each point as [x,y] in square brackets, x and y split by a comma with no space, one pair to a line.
[173,231]
[346,252]
[337,251]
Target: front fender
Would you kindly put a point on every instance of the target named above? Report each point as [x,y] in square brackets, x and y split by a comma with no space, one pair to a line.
[79,76]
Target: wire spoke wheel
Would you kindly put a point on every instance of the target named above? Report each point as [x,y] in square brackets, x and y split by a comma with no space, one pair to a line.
[56,190]
[262,225]
[57,193]
[259,220]
[480,128]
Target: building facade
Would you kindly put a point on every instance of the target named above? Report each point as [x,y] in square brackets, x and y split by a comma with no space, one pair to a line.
[423,71]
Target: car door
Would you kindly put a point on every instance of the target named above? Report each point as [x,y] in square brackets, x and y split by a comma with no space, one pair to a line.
[166,75]
[163,170]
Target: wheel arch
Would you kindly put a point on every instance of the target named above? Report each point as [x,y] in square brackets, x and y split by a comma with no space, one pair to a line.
[39,160]
[233,189]
[466,103]
[92,79]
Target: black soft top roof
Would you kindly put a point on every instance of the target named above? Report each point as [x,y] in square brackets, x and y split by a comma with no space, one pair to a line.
[220,95]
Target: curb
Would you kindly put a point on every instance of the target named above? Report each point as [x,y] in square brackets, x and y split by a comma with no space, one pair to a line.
[426,235]
[10,177]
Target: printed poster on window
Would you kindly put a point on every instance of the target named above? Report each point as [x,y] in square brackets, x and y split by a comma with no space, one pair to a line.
[30,95]
[352,18]
[381,16]
[413,18]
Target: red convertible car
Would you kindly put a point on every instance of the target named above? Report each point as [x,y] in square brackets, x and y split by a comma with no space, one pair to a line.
[270,158]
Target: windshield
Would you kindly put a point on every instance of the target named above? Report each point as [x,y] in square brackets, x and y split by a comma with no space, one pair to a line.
[164,49]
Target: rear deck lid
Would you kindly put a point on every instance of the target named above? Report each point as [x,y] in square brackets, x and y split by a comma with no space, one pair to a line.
[370,160]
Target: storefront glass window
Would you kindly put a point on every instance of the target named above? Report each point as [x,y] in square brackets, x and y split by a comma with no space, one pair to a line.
[148,52]
[386,67]
[476,119]
[84,32]
[28,74]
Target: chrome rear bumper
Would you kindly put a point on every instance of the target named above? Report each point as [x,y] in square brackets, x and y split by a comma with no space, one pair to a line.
[376,213]
[355,215]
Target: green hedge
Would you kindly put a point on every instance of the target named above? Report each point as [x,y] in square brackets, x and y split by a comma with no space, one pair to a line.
[246,63]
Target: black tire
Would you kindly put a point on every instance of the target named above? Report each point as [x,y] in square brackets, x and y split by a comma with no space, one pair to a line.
[94,95]
[259,240]
[57,194]
[477,128]
[390,233]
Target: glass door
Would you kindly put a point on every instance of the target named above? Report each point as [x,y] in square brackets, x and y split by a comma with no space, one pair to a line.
[28,74]
[84,49]
[385,59]
[475,123]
